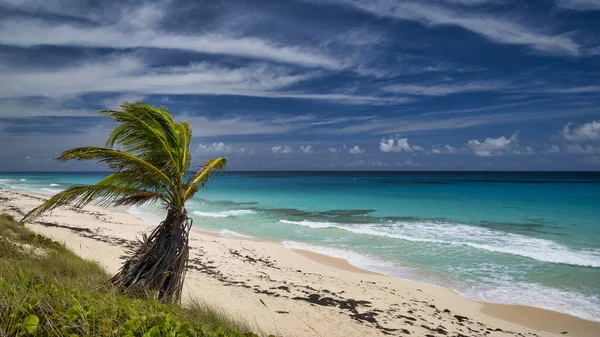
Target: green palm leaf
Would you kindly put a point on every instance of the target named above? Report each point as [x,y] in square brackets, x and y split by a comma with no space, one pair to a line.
[80,196]
[203,176]
[119,160]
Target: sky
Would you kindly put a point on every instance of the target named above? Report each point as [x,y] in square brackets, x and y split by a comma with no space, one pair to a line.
[310,84]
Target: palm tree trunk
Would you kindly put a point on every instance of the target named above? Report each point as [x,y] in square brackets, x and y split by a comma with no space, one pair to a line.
[156,265]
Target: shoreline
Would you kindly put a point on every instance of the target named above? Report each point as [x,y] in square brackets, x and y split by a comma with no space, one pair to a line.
[299,292]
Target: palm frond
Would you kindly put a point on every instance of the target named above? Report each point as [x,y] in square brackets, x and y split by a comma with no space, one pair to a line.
[203,175]
[80,196]
[138,168]
[142,198]
[149,133]
[183,156]
[134,180]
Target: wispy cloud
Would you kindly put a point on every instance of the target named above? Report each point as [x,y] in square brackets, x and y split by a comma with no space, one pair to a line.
[24,107]
[131,75]
[212,127]
[386,126]
[142,32]
[128,74]
[579,5]
[494,27]
[590,89]
[446,149]
[443,89]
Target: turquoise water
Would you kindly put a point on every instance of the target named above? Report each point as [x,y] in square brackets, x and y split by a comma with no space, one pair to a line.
[515,238]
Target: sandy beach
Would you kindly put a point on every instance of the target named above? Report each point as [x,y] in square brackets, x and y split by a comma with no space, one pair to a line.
[290,292]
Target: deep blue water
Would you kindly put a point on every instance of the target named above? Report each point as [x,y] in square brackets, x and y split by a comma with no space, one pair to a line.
[529,238]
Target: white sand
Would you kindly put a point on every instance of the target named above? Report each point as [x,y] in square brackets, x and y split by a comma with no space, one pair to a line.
[270,286]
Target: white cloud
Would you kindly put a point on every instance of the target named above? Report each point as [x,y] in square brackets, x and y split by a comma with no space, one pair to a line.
[494,27]
[445,89]
[242,150]
[306,149]
[398,145]
[588,132]
[494,146]
[214,148]
[439,149]
[577,141]
[579,5]
[282,149]
[356,150]
[332,149]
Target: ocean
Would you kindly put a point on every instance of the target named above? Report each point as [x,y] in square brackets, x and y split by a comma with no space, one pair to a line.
[529,238]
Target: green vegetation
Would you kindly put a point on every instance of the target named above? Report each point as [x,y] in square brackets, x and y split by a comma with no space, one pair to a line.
[151,168]
[47,290]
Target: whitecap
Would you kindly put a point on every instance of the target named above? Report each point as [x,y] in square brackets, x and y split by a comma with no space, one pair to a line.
[225,214]
[54,185]
[471,236]
[311,224]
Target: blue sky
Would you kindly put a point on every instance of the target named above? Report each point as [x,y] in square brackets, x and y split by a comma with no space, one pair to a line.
[309,84]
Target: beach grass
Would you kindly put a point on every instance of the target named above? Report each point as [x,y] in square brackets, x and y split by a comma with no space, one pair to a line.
[47,290]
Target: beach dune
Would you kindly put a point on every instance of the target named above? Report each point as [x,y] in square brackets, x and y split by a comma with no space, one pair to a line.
[290,292]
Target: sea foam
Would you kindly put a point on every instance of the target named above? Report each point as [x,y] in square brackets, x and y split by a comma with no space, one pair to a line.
[536,295]
[51,190]
[356,259]
[225,214]
[234,235]
[447,233]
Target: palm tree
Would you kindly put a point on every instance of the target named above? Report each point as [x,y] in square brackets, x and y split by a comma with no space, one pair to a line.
[150,168]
